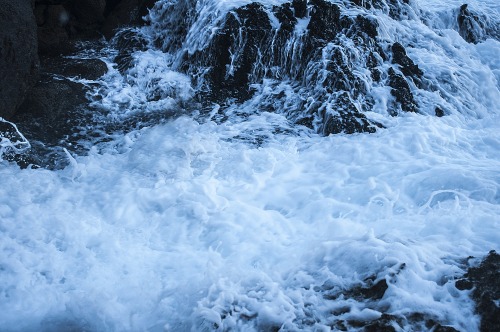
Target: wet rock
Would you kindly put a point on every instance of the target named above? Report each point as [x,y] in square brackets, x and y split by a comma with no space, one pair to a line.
[122,13]
[319,63]
[285,15]
[484,281]
[367,25]
[406,65]
[396,8]
[401,91]
[470,25]
[55,108]
[128,41]
[300,8]
[439,112]
[385,323]
[347,120]
[244,34]
[173,20]
[325,19]
[90,69]
[18,54]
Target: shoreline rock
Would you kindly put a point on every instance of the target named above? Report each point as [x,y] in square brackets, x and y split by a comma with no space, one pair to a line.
[19,62]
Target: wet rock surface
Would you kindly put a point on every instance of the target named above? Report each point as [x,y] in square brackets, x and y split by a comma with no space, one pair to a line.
[484,281]
[317,62]
[55,108]
[475,27]
[18,54]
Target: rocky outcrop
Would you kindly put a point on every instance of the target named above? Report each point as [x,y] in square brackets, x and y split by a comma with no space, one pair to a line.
[318,62]
[18,54]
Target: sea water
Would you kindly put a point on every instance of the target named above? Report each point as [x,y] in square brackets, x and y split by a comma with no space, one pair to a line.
[246,224]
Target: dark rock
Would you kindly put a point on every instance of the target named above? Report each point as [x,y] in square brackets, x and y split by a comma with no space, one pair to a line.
[385,323]
[401,91]
[53,42]
[9,131]
[397,8]
[325,18]
[470,25]
[55,108]
[439,112]
[246,50]
[88,12]
[348,120]
[53,37]
[407,66]
[128,41]
[124,13]
[174,20]
[464,284]
[300,8]
[367,25]
[18,54]
[444,328]
[285,15]
[90,69]
[244,33]
[486,281]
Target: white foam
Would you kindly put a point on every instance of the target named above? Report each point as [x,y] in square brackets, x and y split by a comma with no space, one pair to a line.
[187,219]
[200,226]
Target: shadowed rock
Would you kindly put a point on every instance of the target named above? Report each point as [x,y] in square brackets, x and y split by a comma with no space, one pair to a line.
[18,54]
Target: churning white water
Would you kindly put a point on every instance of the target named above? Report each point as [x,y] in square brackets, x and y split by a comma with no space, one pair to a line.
[249,223]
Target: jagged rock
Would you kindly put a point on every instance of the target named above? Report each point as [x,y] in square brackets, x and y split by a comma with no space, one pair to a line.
[248,48]
[18,54]
[401,91]
[439,112]
[286,16]
[228,76]
[484,281]
[174,20]
[470,25]
[406,65]
[325,19]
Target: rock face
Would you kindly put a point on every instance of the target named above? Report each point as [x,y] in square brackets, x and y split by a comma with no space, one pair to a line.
[18,54]
[319,61]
